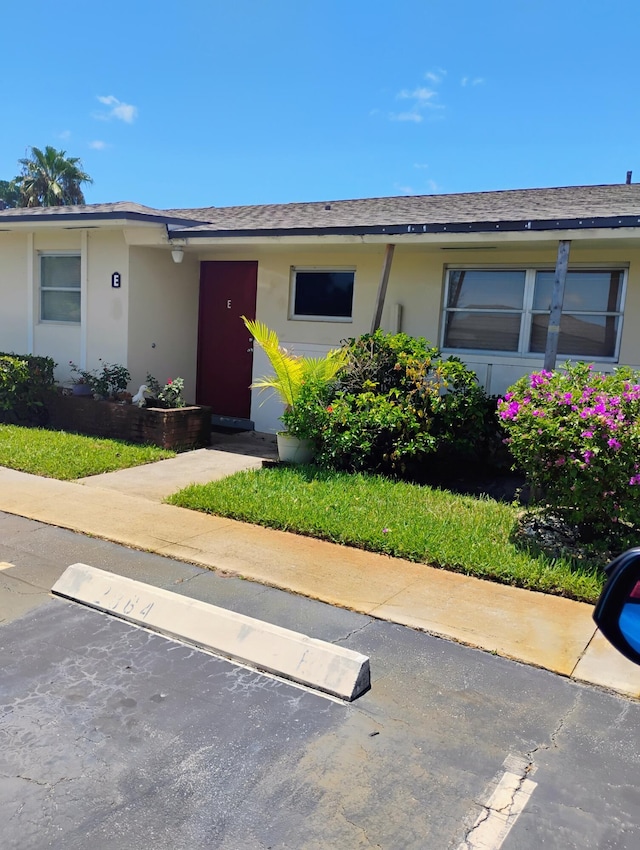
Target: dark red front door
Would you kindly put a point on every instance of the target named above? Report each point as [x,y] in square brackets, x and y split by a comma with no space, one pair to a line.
[225,350]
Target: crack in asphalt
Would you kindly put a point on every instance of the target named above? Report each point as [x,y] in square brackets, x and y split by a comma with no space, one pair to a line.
[523,773]
[360,829]
[353,632]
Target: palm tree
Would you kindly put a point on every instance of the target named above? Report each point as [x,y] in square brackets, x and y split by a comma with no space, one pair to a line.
[291,371]
[49,179]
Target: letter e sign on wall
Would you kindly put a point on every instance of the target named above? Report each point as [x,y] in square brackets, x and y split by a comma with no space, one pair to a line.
[115,280]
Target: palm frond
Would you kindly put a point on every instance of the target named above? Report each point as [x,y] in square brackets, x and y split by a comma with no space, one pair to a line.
[289,370]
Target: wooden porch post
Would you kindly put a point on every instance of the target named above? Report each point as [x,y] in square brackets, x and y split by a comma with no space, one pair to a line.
[382,288]
[557,297]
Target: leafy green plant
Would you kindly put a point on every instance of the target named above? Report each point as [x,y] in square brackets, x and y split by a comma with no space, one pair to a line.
[292,372]
[25,384]
[171,395]
[395,402]
[107,381]
[576,435]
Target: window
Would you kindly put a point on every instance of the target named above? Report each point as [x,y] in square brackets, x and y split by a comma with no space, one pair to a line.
[322,294]
[60,288]
[507,310]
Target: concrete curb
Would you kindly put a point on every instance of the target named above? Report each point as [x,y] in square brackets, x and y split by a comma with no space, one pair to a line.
[317,664]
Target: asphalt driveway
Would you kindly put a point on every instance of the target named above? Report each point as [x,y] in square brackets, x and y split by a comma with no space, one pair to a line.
[116,737]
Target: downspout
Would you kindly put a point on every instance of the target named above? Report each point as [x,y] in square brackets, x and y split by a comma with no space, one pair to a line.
[557,298]
[382,288]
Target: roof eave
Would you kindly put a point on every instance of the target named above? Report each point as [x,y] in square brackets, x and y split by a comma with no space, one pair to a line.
[608,222]
[111,217]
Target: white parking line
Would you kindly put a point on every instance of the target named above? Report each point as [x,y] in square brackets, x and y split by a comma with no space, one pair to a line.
[502,810]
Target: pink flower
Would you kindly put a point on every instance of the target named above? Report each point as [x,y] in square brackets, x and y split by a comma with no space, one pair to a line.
[169,382]
[634,480]
[587,455]
[511,412]
[539,378]
[587,434]
[614,444]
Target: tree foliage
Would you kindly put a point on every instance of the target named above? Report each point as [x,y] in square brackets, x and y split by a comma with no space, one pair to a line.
[48,178]
[9,193]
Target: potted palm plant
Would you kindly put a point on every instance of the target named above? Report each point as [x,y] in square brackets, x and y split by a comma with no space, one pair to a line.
[291,374]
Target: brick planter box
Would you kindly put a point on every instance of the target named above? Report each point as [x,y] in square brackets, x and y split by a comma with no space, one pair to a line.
[180,429]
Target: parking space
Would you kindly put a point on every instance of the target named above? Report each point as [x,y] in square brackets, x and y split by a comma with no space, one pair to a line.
[112,736]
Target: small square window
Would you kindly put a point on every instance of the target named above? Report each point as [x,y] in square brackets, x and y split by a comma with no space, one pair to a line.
[322,294]
[60,288]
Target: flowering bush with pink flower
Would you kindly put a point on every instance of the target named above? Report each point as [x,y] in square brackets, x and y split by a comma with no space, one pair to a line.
[575,434]
[170,395]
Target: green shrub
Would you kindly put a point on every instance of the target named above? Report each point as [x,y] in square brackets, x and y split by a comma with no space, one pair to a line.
[107,381]
[576,435]
[395,402]
[168,396]
[25,382]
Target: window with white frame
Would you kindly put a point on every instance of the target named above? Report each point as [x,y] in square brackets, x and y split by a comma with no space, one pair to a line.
[507,311]
[322,294]
[60,288]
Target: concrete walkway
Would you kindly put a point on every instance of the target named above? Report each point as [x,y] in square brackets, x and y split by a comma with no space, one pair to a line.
[125,507]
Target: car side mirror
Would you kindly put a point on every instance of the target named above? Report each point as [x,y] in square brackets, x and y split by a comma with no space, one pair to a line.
[617,612]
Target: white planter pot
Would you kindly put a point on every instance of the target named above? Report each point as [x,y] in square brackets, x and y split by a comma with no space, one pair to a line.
[293,450]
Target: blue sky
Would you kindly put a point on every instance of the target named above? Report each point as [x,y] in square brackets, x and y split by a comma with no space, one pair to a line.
[201,102]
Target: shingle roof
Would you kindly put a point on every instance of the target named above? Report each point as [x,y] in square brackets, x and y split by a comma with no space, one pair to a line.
[38,212]
[516,205]
[514,209]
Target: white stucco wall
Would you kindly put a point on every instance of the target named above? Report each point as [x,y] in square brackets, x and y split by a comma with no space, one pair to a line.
[151,322]
[163,317]
[102,334]
[14,248]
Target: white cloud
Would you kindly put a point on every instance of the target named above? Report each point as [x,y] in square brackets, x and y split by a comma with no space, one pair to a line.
[435,77]
[405,190]
[122,111]
[429,188]
[421,99]
[98,145]
[406,116]
[422,95]
[472,81]
[65,134]
[420,165]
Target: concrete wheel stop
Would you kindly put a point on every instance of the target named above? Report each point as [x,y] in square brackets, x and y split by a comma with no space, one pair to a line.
[314,663]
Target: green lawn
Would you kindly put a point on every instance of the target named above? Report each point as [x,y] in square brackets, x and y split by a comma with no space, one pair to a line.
[58,454]
[460,533]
